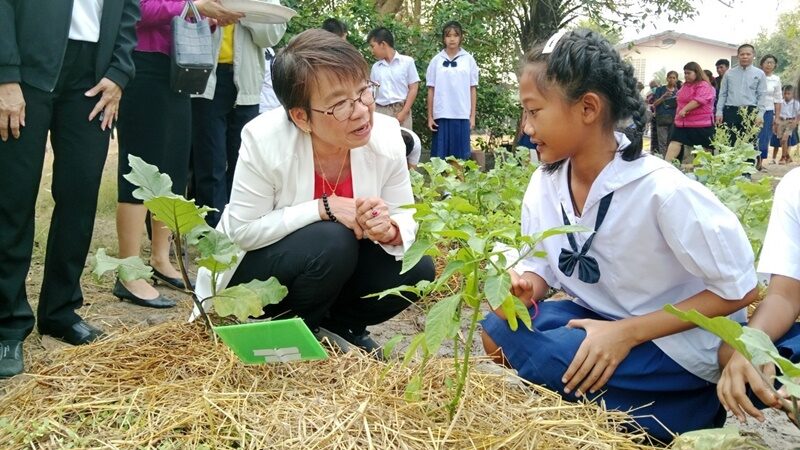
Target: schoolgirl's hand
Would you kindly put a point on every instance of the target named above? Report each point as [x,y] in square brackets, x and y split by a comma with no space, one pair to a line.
[521,288]
[732,387]
[432,124]
[606,345]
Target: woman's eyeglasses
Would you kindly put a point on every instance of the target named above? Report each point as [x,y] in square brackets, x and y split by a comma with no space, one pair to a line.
[344,109]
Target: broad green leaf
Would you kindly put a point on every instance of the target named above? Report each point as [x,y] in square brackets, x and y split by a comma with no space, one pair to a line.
[417,343]
[149,181]
[471,287]
[759,345]
[727,438]
[127,269]
[726,329]
[497,288]
[451,268]
[217,251]
[249,299]
[790,384]
[413,388]
[522,312]
[510,311]
[389,346]
[787,367]
[458,234]
[420,290]
[439,322]
[177,213]
[478,245]
[564,229]
[415,253]
[462,205]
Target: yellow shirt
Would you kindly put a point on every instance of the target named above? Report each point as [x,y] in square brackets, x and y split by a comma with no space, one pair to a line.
[226,49]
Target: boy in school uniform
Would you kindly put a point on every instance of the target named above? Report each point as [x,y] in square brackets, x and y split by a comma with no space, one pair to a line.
[397,75]
[785,127]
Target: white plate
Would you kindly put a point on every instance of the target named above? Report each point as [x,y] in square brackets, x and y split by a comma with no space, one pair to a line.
[260,11]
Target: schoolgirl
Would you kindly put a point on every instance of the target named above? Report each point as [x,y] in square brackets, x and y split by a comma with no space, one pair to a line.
[452,79]
[657,238]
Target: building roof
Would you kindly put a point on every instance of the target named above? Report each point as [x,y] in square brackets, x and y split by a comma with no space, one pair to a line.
[673,35]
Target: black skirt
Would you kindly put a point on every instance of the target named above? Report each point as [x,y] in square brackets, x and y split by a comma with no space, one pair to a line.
[155,124]
[693,136]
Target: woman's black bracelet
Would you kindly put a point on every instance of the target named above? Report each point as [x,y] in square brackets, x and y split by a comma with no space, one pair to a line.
[328,208]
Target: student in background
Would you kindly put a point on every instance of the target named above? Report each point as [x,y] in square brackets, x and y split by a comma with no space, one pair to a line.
[268,99]
[786,126]
[665,102]
[771,102]
[413,147]
[397,76]
[452,79]
[336,27]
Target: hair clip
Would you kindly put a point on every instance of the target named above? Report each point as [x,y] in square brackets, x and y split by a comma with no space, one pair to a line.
[551,43]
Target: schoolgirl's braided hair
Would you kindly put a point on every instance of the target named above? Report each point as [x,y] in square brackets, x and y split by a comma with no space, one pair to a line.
[584,61]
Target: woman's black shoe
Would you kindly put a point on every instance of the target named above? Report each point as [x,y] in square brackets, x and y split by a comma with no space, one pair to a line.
[121,292]
[176,283]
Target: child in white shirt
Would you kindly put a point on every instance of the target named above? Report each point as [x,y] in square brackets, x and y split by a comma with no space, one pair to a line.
[786,125]
[659,238]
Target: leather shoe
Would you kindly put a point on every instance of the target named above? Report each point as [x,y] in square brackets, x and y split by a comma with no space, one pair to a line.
[78,333]
[10,358]
[121,292]
[176,283]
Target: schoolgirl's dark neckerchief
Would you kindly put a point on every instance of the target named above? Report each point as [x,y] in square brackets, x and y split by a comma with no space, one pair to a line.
[588,269]
[451,62]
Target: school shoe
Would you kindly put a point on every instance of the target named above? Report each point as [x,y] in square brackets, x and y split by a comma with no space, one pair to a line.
[366,343]
[122,293]
[10,358]
[79,333]
[176,283]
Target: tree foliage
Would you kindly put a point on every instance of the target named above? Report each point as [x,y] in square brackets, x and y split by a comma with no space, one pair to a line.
[784,42]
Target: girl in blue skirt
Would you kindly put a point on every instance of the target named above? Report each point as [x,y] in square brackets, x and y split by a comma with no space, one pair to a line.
[654,238]
[452,80]
[777,314]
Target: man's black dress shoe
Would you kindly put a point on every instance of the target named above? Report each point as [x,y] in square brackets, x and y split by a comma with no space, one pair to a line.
[176,283]
[10,358]
[78,333]
[121,292]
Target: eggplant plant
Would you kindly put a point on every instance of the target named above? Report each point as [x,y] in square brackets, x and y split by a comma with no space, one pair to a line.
[216,252]
[470,219]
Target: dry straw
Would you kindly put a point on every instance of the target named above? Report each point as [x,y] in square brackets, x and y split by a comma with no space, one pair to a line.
[168,387]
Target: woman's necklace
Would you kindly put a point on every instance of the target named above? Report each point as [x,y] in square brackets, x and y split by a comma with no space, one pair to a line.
[325,178]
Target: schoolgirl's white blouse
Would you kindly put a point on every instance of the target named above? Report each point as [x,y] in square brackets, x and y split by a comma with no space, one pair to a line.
[665,238]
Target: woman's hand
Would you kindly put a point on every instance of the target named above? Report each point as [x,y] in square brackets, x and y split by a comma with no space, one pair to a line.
[345,211]
[682,113]
[732,387]
[606,345]
[372,215]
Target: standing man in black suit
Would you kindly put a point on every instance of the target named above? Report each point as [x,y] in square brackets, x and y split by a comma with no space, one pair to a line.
[63,66]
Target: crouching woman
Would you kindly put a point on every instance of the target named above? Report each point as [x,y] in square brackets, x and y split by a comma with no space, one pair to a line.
[316,199]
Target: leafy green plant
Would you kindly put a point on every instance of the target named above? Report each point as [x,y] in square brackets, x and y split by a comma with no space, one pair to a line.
[470,219]
[727,175]
[757,347]
[216,252]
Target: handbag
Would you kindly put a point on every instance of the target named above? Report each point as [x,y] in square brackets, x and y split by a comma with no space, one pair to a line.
[192,57]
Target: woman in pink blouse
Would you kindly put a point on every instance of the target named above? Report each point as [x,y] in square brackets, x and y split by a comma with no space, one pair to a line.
[155,125]
[694,119]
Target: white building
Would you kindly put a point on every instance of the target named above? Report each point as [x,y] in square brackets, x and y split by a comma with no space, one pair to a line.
[671,50]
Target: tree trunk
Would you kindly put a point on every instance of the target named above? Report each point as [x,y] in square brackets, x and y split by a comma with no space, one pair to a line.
[388,6]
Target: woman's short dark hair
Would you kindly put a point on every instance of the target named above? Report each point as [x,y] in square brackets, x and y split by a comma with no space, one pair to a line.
[298,66]
[699,74]
[584,61]
[766,57]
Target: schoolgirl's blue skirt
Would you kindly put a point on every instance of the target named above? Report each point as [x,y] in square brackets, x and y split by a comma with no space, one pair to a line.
[660,395]
[765,135]
[451,138]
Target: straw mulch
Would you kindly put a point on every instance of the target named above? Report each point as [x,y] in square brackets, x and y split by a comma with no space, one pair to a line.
[169,387]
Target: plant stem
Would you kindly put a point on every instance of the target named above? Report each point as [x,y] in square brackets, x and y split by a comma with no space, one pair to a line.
[464,369]
[185,275]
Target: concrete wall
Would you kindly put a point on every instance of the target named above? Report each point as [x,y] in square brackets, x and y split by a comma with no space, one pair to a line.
[651,56]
